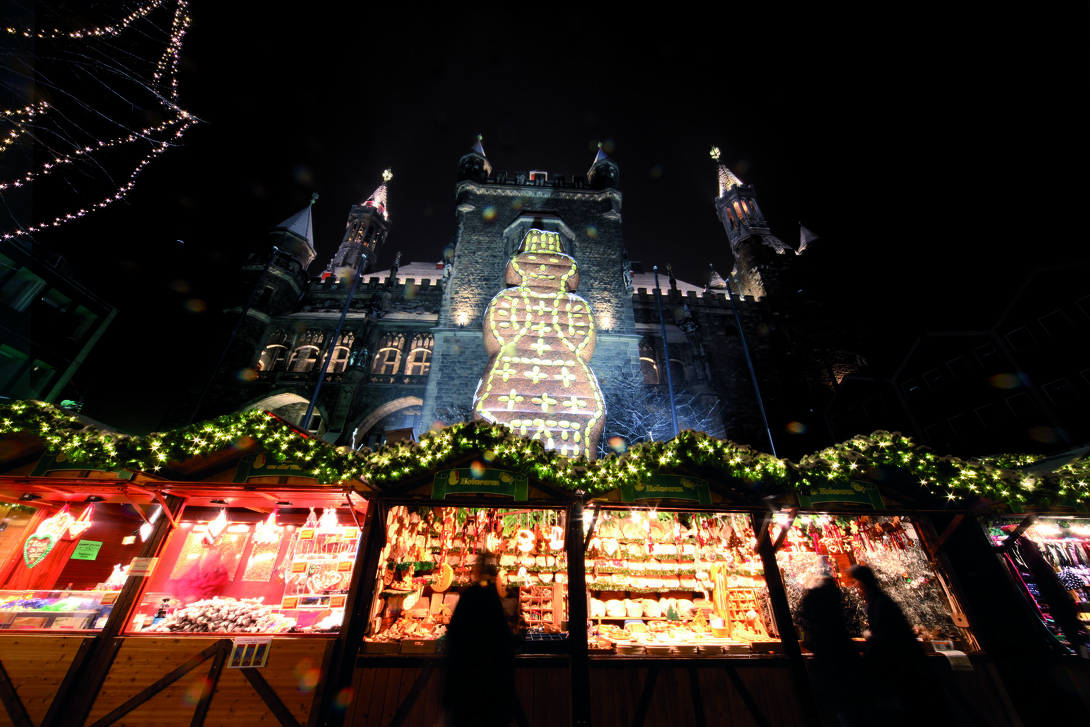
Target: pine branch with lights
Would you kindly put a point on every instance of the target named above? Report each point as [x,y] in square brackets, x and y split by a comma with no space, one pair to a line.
[858,458]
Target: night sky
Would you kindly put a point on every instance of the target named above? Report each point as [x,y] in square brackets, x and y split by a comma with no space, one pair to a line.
[938,157]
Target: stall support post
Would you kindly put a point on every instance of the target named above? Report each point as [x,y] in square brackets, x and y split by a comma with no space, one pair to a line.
[781,610]
[357,609]
[74,706]
[577,616]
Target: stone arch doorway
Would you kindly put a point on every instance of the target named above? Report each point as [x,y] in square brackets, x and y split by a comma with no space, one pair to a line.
[291,407]
[397,414]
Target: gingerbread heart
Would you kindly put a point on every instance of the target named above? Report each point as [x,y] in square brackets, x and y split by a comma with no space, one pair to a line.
[36,548]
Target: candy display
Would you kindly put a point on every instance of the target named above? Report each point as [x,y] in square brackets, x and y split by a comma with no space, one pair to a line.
[225,614]
[54,609]
[253,577]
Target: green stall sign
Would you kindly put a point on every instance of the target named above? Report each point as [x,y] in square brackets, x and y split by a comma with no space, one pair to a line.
[481,481]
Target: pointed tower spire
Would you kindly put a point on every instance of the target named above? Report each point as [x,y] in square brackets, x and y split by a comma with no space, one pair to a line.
[805,237]
[474,165]
[295,235]
[604,172]
[715,280]
[368,224]
[752,243]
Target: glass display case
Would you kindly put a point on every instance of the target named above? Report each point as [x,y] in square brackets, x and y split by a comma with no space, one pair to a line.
[233,570]
[55,610]
[674,582]
[433,553]
[829,544]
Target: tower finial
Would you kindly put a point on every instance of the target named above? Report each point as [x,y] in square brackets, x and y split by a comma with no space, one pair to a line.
[387,175]
[715,153]
[313,198]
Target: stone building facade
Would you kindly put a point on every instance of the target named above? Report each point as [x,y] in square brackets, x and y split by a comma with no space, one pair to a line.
[409,352]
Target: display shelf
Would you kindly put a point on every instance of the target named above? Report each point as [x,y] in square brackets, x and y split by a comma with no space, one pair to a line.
[540,605]
[83,619]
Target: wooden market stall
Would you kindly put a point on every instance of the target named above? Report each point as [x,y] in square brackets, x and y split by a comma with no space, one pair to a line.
[736,557]
[220,586]
[441,520]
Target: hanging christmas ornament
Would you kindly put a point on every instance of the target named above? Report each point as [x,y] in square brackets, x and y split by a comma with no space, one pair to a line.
[267,531]
[215,529]
[328,521]
[78,526]
[36,548]
[56,525]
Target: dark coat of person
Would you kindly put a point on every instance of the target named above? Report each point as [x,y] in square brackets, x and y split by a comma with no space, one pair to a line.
[837,671]
[480,686]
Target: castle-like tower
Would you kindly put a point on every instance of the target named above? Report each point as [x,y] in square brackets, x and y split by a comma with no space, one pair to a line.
[757,271]
[494,213]
[420,345]
[368,225]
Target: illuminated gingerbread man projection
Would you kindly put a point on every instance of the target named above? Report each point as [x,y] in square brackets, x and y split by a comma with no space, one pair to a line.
[540,337]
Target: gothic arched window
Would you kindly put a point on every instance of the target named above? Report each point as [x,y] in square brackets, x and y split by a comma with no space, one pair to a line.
[303,358]
[388,359]
[419,359]
[341,352]
[276,350]
[305,355]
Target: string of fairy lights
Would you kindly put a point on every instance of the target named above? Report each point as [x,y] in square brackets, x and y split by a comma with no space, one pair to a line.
[860,458]
[159,137]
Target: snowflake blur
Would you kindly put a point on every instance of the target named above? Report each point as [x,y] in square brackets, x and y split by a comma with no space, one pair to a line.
[103,104]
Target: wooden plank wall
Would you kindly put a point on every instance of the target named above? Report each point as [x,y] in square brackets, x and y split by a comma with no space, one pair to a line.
[293,672]
[36,666]
[379,693]
[616,692]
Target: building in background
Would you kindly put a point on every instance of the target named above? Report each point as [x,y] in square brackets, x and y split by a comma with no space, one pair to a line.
[49,323]
[1019,385]
[409,352]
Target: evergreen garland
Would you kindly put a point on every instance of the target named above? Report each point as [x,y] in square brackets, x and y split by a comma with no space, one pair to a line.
[762,473]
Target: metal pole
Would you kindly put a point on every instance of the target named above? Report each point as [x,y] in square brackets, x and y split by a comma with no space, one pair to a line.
[666,352]
[231,340]
[752,373]
[305,425]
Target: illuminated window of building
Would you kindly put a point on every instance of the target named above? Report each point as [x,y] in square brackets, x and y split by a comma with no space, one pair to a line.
[305,355]
[419,361]
[303,359]
[276,350]
[271,357]
[388,359]
[341,353]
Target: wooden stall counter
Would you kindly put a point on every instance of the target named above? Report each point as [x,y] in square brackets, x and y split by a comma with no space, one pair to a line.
[408,690]
[32,669]
[201,680]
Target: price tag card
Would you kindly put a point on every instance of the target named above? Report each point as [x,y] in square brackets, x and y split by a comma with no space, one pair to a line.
[142,567]
[290,602]
[299,566]
[337,602]
[306,534]
[109,598]
[344,566]
[250,652]
[86,550]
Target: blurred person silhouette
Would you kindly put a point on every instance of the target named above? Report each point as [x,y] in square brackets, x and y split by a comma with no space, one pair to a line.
[905,688]
[837,666]
[480,683]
